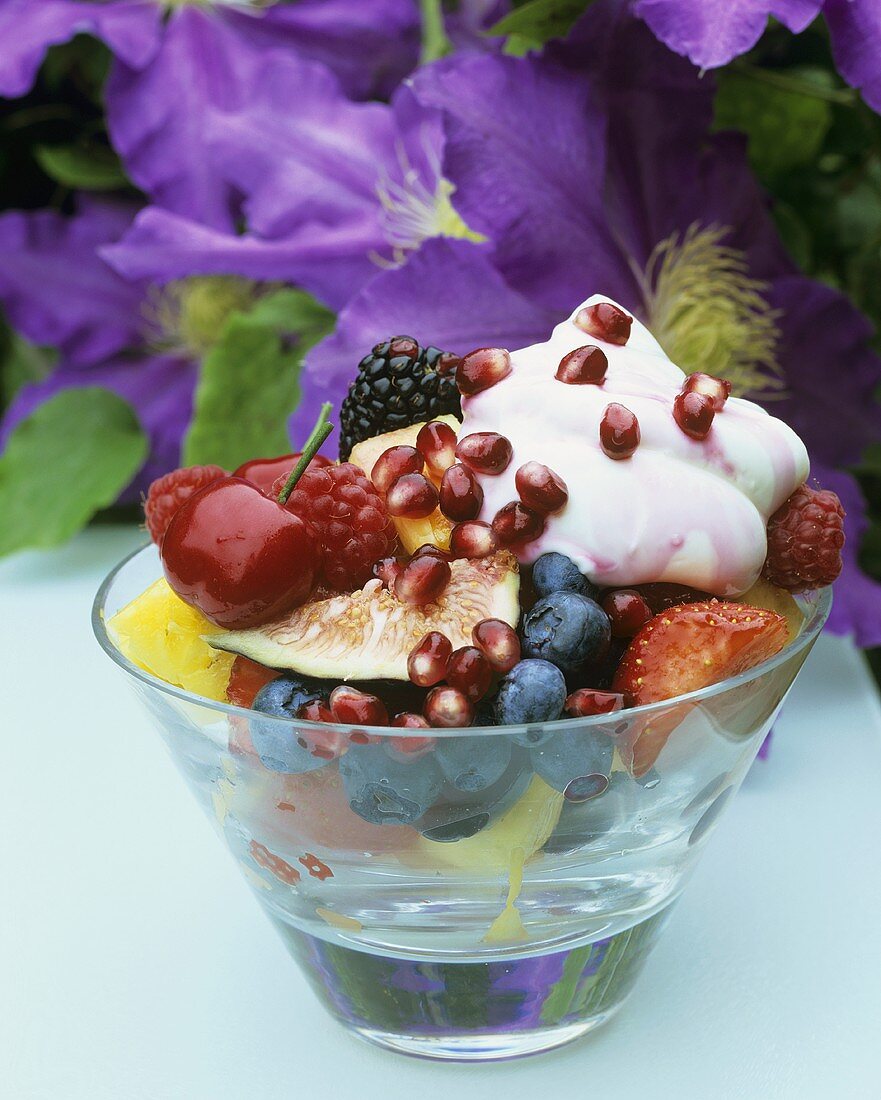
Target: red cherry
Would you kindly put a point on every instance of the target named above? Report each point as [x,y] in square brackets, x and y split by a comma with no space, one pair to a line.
[239,557]
[583,366]
[717,389]
[694,413]
[263,472]
[470,672]
[628,612]
[485,452]
[515,524]
[446,707]
[461,495]
[606,322]
[619,431]
[436,442]
[540,488]
[412,496]
[586,701]
[498,642]
[353,707]
[427,663]
[482,368]
[422,580]
[473,539]
[394,463]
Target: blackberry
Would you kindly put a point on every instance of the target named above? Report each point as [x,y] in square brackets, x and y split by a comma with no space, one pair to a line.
[399,383]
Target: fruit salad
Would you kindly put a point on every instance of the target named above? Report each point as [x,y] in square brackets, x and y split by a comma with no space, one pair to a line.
[510,538]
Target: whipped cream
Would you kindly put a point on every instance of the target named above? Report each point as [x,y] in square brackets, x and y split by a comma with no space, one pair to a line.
[688,511]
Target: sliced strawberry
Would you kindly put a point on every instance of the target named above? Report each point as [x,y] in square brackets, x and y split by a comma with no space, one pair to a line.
[246,678]
[686,648]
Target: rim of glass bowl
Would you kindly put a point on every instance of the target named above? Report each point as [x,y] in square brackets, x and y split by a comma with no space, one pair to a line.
[811,629]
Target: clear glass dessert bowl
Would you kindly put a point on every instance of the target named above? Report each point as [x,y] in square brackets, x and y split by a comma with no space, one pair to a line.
[507,920]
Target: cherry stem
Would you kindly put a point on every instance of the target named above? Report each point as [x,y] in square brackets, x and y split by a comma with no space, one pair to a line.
[318,435]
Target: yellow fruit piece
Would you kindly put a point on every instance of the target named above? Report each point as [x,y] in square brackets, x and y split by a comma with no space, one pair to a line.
[509,842]
[161,634]
[768,596]
[413,533]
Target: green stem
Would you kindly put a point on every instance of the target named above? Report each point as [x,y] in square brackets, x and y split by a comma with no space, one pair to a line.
[844,96]
[318,435]
[435,43]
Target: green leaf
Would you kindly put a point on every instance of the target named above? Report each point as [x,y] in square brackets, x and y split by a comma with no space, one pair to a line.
[249,382]
[21,362]
[794,233]
[72,456]
[784,122]
[85,167]
[533,24]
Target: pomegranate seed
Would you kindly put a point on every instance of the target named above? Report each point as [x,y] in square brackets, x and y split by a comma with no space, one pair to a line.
[354,707]
[316,710]
[446,707]
[586,701]
[413,746]
[436,443]
[482,368]
[606,322]
[498,642]
[473,539]
[461,496]
[584,366]
[717,389]
[427,663]
[485,452]
[694,413]
[422,580]
[406,720]
[540,488]
[470,672]
[394,463]
[447,363]
[435,551]
[628,612]
[515,524]
[619,431]
[411,495]
[402,345]
[387,569]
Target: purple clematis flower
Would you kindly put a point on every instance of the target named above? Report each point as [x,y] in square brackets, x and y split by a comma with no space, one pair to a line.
[205,57]
[713,32]
[124,336]
[602,176]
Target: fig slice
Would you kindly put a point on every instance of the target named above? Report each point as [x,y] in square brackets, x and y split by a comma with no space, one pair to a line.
[368,634]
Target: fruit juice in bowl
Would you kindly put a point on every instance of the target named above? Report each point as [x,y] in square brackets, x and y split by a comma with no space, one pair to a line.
[466,705]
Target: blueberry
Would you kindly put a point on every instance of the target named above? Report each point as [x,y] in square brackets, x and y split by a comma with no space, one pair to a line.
[384,787]
[557,573]
[277,744]
[567,629]
[533,691]
[577,762]
[457,815]
[472,764]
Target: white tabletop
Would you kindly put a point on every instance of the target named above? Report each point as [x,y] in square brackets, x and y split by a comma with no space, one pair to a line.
[134,963]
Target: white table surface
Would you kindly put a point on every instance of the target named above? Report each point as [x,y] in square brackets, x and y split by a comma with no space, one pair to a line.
[134,963]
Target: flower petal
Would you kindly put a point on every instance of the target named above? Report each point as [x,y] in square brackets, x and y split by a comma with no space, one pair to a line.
[855,28]
[159,389]
[28,28]
[57,290]
[330,262]
[447,294]
[712,32]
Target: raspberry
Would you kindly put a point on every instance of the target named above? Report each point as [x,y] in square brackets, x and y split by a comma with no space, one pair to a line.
[805,537]
[168,493]
[350,519]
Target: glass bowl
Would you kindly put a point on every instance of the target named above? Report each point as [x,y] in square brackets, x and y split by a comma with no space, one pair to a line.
[504,921]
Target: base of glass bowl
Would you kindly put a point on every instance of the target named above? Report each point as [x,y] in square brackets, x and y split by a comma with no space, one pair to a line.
[479,1010]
